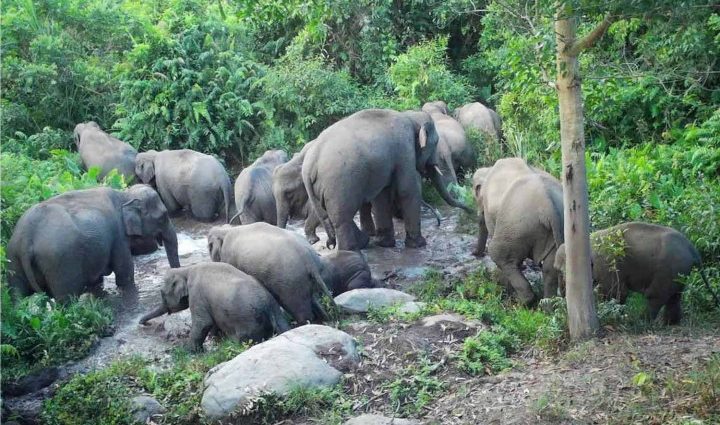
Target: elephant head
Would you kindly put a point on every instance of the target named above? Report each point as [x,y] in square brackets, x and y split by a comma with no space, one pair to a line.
[272,157]
[426,144]
[478,180]
[82,127]
[145,166]
[436,107]
[216,237]
[174,295]
[144,214]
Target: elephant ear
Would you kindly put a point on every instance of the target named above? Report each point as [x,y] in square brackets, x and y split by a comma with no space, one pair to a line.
[422,137]
[147,171]
[131,217]
[214,246]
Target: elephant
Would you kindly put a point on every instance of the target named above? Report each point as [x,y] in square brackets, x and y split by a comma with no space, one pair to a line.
[642,257]
[99,149]
[69,242]
[281,260]
[254,199]
[480,117]
[374,155]
[454,154]
[344,271]
[291,197]
[185,178]
[220,297]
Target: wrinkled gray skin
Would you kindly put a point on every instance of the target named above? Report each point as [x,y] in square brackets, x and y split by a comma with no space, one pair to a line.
[290,195]
[520,207]
[254,199]
[66,244]
[374,155]
[480,117]
[454,155]
[185,178]
[281,260]
[344,271]
[655,256]
[220,297]
[99,149]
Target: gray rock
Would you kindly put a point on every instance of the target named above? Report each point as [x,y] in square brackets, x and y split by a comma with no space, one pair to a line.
[361,300]
[411,307]
[308,356]
[449,317]
[144,407]
[368,419]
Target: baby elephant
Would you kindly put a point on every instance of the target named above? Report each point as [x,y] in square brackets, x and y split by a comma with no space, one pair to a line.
[344,271]
[220,297]
[641,257]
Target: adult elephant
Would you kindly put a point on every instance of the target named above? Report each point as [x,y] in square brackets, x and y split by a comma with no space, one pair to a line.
[185,178]
[374,155]
[454,154]
[99,149]
[254,199]
[69,242]
[481,118]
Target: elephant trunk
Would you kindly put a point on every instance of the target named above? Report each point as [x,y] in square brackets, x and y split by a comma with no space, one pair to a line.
[158,311]
[439,184]
[169,238]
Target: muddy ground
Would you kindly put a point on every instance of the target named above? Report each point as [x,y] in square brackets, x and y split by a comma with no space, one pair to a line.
[588,384]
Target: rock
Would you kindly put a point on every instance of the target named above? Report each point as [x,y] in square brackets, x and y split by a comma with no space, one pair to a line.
[449,317]
[31,383]
[308,356]
[144,407]
[361,300]
[368,419]
[411,307]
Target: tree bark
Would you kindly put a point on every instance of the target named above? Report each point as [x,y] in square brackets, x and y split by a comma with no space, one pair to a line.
[582,317]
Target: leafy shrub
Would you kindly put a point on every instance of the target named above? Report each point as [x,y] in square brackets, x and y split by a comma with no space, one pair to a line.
[698,304]
[488,352]
[330,404]
[414,387]
[39,145]
[39,332]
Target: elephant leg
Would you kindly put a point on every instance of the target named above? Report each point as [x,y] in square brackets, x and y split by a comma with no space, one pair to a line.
[510,268]
[673,309]
[311,223]
[409,195]
[367,224]
[550,279]
[204,203]
[123,266]
[168,199]
[479,250]
[201,327]
[385,231]
[350,238]
[318,311]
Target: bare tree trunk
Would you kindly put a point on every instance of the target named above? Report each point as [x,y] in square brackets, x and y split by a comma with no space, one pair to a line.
[582,317]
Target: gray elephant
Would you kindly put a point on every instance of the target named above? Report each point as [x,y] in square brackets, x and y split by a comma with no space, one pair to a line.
[99,149]
[520,208]
[254,199]
[454,154]
[220,297]
[281,260]
[344,271]
[185,178]
[478,116]
[374,155]
[642,257]
[67,243]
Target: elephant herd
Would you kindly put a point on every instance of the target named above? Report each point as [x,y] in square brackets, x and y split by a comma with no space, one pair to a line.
[371,162]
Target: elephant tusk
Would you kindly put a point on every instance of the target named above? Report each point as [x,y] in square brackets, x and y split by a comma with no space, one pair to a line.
[438,170]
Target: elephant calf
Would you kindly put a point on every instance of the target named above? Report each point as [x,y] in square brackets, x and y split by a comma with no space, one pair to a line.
[185,178]
[641,257]
[220,296]
[281,260]
[254,197]
[344,271]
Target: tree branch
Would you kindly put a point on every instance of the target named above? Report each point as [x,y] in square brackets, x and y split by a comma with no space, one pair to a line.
[590,39]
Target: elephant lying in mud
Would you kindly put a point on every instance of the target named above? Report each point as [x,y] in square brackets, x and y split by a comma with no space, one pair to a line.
[66,244]
[185,178]
[99,149]
[374,155]
[645,258]
[254,199]
[454,154]
[521,208]
[344,271]
[281,260]
[220,297]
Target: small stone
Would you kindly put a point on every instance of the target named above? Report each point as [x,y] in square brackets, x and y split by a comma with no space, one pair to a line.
[368,419]
[411,307]
[449,317]
[363,299]
[144,407]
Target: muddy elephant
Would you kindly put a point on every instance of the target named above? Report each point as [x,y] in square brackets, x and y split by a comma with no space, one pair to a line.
[344,271]
[374,155]
[281,260]
[479,117]
[254,199]
[185,178]
[66,244]
[645,258]
[454,154]
[99,149]
[220,297]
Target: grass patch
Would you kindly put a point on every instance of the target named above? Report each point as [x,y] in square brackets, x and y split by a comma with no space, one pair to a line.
[414,387]
[395,313]
[327,405]
[488,352]
[37,332]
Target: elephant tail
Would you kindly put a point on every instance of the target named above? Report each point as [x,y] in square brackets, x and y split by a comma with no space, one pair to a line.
[26,261]
[709,288]
[555,223]
[227,199]
[318,205]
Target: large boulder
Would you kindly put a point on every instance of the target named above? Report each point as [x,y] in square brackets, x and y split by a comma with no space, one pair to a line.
[368,419]
[363,299]
[305,357]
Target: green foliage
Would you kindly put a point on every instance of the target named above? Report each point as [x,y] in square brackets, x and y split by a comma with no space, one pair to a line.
[38,332]
[331,405]
[488,351]
[39,145]
[414,387]
[698,305]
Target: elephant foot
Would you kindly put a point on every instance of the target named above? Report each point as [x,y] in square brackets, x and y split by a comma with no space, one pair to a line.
[478,253]
[385,242]
[528,300]
[415,242]
[313,239]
